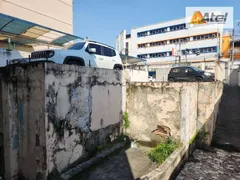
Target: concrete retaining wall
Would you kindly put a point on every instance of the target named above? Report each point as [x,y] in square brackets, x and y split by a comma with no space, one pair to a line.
[185,108]
[56,115]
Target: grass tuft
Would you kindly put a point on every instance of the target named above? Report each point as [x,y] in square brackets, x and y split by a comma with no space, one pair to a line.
[126,121]
[160,153]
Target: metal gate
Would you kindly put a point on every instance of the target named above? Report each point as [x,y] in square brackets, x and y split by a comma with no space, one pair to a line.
[234,77]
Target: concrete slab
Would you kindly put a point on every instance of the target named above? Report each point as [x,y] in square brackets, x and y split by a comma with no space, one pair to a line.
[126,164]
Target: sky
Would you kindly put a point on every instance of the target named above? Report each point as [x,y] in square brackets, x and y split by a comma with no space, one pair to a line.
[103,20]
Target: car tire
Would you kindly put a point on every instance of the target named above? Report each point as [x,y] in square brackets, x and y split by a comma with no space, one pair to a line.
[171,80]
[118,67]
[199,79]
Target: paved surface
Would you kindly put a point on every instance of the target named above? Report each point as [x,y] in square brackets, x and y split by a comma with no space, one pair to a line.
[126,165]
[228,122]
[203,165]
[220,164]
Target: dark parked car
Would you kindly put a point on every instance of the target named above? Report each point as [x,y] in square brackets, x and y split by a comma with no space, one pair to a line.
[189,73]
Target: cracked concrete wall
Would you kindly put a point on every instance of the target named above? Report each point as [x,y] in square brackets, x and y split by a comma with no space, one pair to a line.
[153,104]
[209,97]
[23,122]
[189,97]
[1,133]
[55,116]
[83,107]
[185,108]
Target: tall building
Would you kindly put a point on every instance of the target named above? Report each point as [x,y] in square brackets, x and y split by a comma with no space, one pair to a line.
[29,25]
[55,14]
[166,43]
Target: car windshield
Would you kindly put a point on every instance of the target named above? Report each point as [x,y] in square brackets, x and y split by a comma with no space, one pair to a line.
[76,46]
[196,69]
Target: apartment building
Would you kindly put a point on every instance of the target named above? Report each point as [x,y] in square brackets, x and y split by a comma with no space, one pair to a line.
[166,43]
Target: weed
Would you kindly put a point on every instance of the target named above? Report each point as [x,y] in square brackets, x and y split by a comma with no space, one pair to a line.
[205,134]
[163,150]
[194,137]
[122,138]
[126,122]
[100,148]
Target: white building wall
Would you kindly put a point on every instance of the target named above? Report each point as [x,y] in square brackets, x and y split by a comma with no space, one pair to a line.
[189,31]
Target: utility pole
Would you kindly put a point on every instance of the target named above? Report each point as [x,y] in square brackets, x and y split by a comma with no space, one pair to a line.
[178,56]
[232,53]
[217,62]
[180,53]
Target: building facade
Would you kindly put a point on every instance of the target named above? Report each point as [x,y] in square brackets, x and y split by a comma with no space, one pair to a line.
[56,14]
[54,17]
[171,42]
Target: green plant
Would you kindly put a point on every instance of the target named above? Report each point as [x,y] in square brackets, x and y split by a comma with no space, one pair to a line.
[163,150]
[205,134]
[194,137]
[126,122]
[122,138]
[100,148]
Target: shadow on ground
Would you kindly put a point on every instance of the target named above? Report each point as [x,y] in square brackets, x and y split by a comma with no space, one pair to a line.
[227,133]
[126,164]
[222,161]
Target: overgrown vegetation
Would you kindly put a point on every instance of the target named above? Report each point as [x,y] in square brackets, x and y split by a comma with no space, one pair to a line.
[194,137]
[126,122]
[100,148]
[163,150]
[122,137]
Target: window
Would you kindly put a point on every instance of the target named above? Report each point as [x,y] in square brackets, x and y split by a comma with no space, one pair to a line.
[113,52]
[128,36]
[142,45]
[142,56]
[159,43]
[177,27]
[107,51]
[176,70]
[97,47]
[203,50]
[189,70]
[196,69]
[76,46]
[141,34]
[202,37]
[126,50]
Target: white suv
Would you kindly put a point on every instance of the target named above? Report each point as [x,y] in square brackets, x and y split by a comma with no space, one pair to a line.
[87,53]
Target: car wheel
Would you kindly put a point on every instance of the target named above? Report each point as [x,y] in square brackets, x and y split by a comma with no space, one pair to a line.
[171,80]
[118,67]
[199,79]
